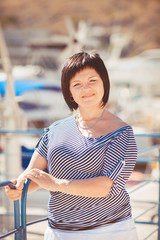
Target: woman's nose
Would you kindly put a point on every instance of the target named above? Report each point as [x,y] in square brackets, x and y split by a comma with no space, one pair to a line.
[85,86]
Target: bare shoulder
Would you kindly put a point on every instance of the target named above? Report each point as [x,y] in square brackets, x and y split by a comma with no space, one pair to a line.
[112,122]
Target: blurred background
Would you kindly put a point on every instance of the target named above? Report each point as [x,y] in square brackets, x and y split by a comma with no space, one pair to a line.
[40,35]
[35,39]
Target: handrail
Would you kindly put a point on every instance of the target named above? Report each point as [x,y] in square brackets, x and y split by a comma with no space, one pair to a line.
[144,183]
[20,131]
[23,209]
[148,149]
[147,135]
[20,223]
[20,229]
[7,183]
[16,214]
[40,130]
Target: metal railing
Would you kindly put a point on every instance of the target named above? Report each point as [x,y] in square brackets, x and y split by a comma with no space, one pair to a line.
[143,183]
[20,215]
[20,223]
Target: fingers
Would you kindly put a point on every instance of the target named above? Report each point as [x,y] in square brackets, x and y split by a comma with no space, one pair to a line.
[33,174]
[12,184]
[14,181]
[8,187]
[13,194]
[20,184]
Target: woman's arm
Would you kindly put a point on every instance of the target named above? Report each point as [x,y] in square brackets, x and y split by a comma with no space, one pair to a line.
[92,187]
[37,161]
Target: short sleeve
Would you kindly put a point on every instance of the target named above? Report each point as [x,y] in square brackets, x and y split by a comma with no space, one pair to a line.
[120,159]
[42,144]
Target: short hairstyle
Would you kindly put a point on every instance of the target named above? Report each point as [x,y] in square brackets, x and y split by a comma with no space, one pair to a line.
[75,64]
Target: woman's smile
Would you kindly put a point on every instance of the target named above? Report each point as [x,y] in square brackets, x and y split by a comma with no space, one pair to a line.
[88,96]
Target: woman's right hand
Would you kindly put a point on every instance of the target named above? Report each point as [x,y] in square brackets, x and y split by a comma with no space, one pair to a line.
[15,194]
[37,161]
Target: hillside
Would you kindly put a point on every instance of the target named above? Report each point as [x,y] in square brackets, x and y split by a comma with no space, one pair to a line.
[140,18]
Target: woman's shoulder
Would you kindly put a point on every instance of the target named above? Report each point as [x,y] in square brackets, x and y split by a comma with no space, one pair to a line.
[113,122]
[61,122]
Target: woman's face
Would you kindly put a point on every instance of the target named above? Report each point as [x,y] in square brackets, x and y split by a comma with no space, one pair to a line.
[86,88]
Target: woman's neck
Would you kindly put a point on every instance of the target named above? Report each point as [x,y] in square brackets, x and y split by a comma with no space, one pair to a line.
[89,114]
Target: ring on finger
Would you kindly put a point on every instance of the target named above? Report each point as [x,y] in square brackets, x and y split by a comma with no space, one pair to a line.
[36,175]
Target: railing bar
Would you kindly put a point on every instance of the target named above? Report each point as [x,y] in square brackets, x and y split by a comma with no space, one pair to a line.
[147,135]
[147,210]
[147,202]
[141,181]
[17,219]
[149,223]
[144,150]
[5,131]
[23,209]
[151,233]
[7,214]
[7,183]
[17,230]
[10,233]
[37,221]
[40,130]
[29,215]
[143,160]
[138,187]
[36,233]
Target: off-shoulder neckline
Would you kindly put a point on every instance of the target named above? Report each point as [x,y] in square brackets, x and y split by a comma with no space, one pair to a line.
[102,136]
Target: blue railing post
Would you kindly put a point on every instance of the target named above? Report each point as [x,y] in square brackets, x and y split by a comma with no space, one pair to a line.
[23,210]
[16,212]
[17,220]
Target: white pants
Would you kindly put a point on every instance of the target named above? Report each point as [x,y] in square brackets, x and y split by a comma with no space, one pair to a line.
[124,230]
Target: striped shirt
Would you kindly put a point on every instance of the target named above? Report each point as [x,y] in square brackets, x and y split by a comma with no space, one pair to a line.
[71,155]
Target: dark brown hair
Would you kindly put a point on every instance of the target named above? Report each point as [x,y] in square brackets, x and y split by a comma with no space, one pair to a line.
[75,64]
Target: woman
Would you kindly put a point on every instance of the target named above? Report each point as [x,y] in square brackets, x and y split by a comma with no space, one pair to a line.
[89,157]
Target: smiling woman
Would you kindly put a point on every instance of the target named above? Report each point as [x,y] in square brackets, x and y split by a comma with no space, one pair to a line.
[90,156]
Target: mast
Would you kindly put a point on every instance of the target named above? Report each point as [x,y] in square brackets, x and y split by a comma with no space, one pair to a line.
[12,119]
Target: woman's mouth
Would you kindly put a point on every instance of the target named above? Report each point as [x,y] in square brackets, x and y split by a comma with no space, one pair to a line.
[88,96]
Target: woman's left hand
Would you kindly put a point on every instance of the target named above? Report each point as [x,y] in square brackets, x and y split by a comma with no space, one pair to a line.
[43,179]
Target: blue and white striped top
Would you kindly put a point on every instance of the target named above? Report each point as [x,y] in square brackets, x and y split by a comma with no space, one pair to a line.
[71,155]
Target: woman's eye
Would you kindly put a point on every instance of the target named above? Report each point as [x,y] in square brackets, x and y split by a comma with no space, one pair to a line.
[93,80]
[76,85]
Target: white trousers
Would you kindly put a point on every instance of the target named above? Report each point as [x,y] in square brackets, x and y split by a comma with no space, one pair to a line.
[124,230]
